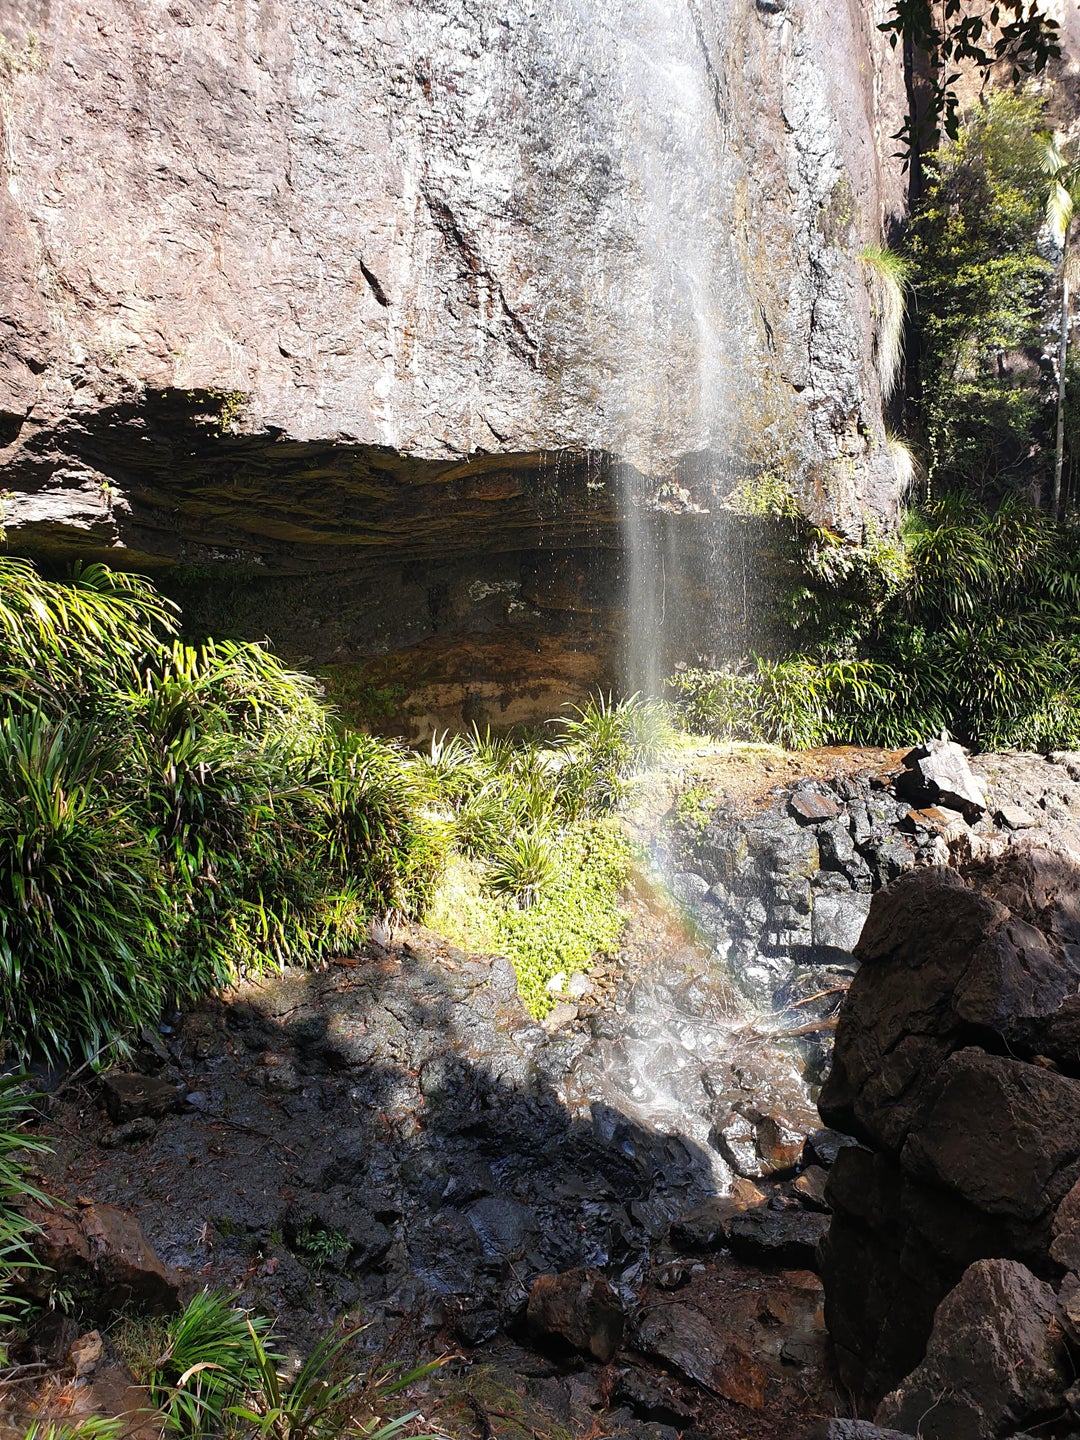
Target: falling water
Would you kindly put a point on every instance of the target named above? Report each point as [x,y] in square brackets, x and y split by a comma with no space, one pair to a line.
[685,261]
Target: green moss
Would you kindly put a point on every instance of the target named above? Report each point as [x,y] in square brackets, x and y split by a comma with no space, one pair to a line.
[767,495]
[577,916]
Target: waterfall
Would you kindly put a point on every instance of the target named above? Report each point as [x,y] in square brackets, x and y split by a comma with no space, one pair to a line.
[642,120]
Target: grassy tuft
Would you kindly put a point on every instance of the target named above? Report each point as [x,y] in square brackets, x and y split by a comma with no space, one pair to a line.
[890,283]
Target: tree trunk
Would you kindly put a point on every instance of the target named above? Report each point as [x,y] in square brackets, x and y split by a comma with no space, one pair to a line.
[1063,356]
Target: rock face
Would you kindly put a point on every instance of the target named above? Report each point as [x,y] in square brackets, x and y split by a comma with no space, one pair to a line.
[956,1065]
[322,297]
[443,229]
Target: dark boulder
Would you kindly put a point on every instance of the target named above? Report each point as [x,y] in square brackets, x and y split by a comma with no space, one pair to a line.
[683,1338]
[137,1097]
[787,1239]
[103,1252]
[947,1066]
[579,1308]
[1003,1135]
[994,1361]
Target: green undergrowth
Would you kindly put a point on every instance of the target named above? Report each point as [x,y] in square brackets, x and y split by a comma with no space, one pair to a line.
[171,815]
[538,860]
[210,1371]
[174,816]
[575,915]
[969,620]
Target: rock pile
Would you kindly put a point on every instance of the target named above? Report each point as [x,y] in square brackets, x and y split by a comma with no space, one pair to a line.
[949,1266]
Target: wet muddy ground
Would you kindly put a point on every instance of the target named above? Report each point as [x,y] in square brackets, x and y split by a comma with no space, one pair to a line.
[396,1142]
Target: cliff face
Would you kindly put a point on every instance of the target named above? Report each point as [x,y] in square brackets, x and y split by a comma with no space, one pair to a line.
[285,283]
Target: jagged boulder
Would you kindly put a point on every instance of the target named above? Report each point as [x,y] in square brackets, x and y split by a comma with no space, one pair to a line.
[942,959]
[995,1360]
[938,773]
[948,1066]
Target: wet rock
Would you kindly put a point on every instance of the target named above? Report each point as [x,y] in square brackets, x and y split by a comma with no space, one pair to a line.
[503,1226]
[104,1250]
[688,888]
[682,1337]
[837,852]
[938,773]
[888,858]
[563,1012]
[130,1133]
[133,1097]
[580,1308]
[759,1146]
[787,1239]
[823,1146]
[838,920]
[808,806]
[993,1363]
[1065,1246]
[705,1228]
[651,1397]
[810,1188]
[852,1430]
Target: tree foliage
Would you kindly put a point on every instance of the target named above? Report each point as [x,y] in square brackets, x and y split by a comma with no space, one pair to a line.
[953,35]
[982,293]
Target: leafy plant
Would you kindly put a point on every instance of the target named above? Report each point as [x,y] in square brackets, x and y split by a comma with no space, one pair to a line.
[326,1400]
[171,814]
[981,635]
[608,742]
[88,928]
[213,1355]
[216,1376]
[1016,33]
[16,1189]
[575,916]
[90,1427]
[322,1247]
[523,866]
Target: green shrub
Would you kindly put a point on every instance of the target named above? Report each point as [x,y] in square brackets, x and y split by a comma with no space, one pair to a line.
[608,742]
[981,635]
[89,928]
[211,1358]
[172,814]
